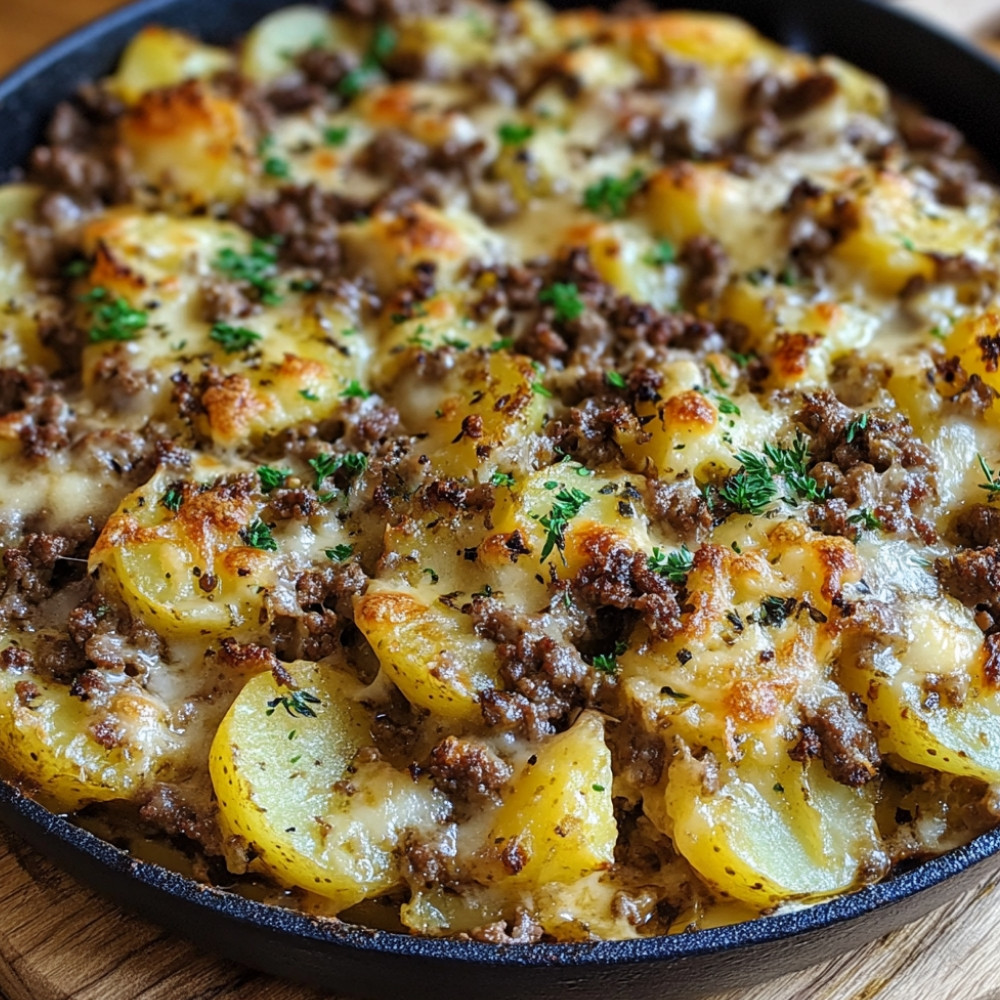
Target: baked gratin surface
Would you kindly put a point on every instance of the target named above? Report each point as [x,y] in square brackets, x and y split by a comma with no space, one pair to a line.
[477,470]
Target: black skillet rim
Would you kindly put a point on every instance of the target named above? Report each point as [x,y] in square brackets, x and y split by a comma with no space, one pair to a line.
[54,834]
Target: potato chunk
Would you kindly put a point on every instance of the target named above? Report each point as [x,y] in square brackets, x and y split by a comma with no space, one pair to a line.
[158,57]
[428,650]
[770,833]
[279,766]
[110,746]
[557,823]
[189,569]
[934,705]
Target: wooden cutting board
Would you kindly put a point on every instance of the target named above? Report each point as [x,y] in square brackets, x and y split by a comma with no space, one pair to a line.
[59,941]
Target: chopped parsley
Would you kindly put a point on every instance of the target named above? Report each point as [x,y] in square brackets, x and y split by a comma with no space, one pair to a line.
[742,360]
[615,379]
[663,252]
[774,610]
[355,81]
[258,535]
[565,300]
[340,553]
[513,134]
[383,43]
[726,406]
[257,268]
[541,390]
[309,394]
[336,135]
[275,166]
[271,478]
[172,499]
[355,462]
[114,320]
[675,566]
[326,465]
[606,664]
[855,427]
[992,485]
[296,703]
[717,377]
[233,338]
[355,390]
[610,195]
[502,479]
[866,519]
[427,571]
[567,504]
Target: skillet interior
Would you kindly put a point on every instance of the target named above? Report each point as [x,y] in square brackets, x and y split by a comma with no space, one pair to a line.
[937,71]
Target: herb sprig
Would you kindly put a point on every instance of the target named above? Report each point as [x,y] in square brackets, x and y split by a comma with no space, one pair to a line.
[296,703]
[675,566]
[257,267]
[564,297]
[610,195]
[258,536]
[233,338]
[567,504]
[114,319]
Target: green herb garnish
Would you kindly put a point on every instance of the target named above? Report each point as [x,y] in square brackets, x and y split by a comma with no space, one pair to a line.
[272,479]
[513,134]
[257,268]
[115,320]
[233,338]
[336,135]
[866,519]
[855,427]
[992,486]
[172,499]
[663,252]
[258,535]
[355,390]
[565,300]
[567,504]
[606,664]
[675,566]
[340,553]
[610,195]
[296,703]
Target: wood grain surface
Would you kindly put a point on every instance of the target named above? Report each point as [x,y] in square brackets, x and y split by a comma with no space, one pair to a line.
[59,941]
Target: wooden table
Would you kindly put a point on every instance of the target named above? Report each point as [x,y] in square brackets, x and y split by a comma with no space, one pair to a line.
[60,941]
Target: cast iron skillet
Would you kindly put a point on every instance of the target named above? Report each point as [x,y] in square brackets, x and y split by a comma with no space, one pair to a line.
[955,82]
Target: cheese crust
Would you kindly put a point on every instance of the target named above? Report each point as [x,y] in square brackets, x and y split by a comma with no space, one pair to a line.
[481,470]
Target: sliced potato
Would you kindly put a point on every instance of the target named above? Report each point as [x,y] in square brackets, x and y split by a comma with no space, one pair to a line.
[430,651]
[932,703]
[270,49]
[189,570]
[78,751]
[557,822]
[771,833]
[281,766]
[161,57]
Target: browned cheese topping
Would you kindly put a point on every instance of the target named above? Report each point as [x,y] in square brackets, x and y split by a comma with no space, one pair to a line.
[483,471]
